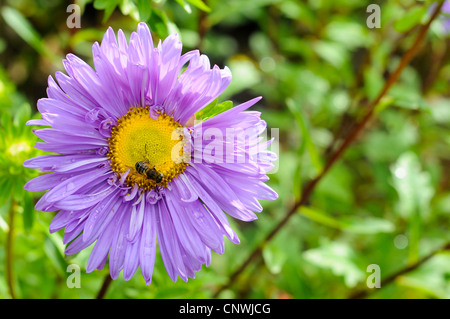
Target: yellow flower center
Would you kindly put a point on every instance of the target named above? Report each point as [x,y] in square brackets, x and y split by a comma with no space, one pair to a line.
[157,143]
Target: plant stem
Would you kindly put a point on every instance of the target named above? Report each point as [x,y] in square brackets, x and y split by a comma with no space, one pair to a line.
[106,283]
[365,293]
[350,138]
[203,26]
[9,251]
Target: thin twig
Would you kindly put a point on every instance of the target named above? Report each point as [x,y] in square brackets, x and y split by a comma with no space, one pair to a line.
[365,293]
[351,137]
[10,251]
[106,283]
[203,27]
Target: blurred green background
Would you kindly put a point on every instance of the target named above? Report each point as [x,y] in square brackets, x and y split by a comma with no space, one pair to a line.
[316,64]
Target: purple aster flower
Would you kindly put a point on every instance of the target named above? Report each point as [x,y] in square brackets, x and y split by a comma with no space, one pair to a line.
[127,172]
[446,21]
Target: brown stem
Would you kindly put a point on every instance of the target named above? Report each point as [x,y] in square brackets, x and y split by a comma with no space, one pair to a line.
[351,137]
[203,27]
[106,283]
[365,293]
[9,251]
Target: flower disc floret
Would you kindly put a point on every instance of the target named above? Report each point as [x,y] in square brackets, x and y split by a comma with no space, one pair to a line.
[157,142]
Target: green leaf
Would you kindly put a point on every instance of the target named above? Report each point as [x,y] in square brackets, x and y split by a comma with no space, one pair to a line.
[199,4]
[209,109]
[23,114]
[6,185]
[408,96]
[185,6]
[413,186]
[441,110]
[144,8]
[373,81]
[274,257]
[233,8]
[159,23]
[245,75]
[5,120]
[350,224]
[25,30]
[348,33]
[432,278]
[28,212]
[108,6]
[3,225]
[17,186]
[411,18]
[367,225]
[385,103]
[212,109]
[55,255]
[415,191]
[306,136]
[320,217]
[333,53]
[339,259]
[129,8]
[86,34]
[4,210]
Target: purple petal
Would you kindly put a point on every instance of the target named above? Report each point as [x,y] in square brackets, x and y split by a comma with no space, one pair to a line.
[148,243]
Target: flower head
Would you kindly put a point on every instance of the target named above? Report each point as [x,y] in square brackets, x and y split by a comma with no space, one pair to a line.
[130,170]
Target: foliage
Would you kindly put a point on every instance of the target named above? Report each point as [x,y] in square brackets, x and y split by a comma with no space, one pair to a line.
[317,65]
